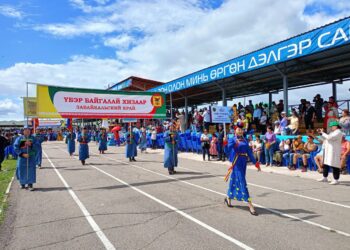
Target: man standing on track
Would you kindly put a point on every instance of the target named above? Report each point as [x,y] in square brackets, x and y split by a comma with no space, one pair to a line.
[84,138]
[25,147]
[171,139]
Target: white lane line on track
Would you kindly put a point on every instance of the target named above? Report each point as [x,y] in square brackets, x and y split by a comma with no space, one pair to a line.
[105,241]
[223,194]
[187,216]
[281,191]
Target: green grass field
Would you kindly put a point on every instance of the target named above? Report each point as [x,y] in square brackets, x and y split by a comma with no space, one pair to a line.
[8,170]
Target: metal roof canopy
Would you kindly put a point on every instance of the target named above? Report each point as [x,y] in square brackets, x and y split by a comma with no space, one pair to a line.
[317,69]
[134,83]
[327,66]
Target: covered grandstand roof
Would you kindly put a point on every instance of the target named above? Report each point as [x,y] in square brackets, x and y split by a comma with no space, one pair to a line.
[315,57]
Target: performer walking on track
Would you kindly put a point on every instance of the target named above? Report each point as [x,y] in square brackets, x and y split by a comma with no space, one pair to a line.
[102,141]
[40,138]
[131,144]
[84,138]
[70,141]
[171,139]
[239,151]
[25,147]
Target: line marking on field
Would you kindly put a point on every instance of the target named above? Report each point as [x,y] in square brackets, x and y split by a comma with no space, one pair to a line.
[284,192]
[187,216]
[223,194]
[105,241]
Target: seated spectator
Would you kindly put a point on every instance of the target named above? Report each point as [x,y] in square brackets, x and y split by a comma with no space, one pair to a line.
[213,150]
[344,122]
[293,127]
[283,123]
[297,149]
[263,122]
[270,140]
[277,129]
[257,148]
[309,147]
[345,153]
[250,141]
[283,152]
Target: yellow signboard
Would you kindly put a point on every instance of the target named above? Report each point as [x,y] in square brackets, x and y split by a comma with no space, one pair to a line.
[30,106]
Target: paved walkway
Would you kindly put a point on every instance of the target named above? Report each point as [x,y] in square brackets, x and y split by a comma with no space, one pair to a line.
[113,204]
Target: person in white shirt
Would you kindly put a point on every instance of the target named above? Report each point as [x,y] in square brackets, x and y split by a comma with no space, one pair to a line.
[154,138]
[206,118]
[205,143]
[257,148]
[332,152]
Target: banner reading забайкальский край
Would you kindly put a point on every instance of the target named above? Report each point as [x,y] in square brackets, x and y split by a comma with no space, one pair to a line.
[62,102]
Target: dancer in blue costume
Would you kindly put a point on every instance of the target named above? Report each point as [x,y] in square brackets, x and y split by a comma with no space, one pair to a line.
[25,147]
[40,138]
[239,151]
[171,139]
[70,140]
[132,138]
[84,138]
[102,141]
[143,140]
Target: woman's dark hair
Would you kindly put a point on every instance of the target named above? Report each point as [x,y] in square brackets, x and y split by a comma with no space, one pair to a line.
[269,127]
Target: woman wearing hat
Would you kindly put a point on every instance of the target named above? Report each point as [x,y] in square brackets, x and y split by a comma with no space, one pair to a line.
[239,152]
[84,139]
[332,155]
[25,147]
[70,141]
[102,141]
[171,139]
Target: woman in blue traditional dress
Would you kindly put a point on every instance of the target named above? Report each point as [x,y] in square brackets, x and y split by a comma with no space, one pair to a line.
[143,140]
[70,140]
[84,138]
[102,141]
[25,147]
[239,151]
[40,138]
[171,139]
[132,139]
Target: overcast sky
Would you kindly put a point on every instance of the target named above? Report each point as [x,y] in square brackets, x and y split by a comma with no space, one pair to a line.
[91,43]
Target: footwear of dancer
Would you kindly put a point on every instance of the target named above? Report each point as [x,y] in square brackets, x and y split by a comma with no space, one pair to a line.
[323,179]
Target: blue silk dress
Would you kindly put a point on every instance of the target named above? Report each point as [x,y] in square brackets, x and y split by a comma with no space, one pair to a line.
[239,151]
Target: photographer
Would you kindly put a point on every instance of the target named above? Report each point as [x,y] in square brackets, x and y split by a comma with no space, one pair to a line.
[332,155]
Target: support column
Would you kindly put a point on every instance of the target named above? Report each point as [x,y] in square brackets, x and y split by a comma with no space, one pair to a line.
[186,111]
[334,90]
[270,103]
[171,106]
[285,94]
[224,102]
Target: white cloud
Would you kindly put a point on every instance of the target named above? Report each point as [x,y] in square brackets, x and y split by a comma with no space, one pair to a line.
[164,39]
[119,42]
[10,11]
[8,107]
